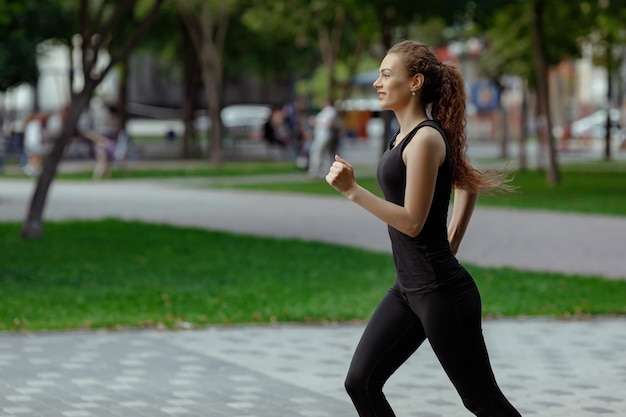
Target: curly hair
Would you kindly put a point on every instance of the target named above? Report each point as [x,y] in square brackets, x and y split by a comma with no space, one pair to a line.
[444,91]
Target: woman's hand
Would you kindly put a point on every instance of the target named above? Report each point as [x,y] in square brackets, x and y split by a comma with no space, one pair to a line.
[341,176]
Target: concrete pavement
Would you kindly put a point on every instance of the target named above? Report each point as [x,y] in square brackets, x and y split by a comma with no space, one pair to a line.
[546,367]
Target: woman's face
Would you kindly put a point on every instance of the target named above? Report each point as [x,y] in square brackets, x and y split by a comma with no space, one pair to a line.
[393,84]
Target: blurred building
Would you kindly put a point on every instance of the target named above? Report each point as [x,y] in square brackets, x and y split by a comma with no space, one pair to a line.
[154,88]
[578,88]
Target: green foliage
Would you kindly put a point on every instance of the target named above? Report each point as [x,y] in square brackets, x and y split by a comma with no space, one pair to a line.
[605,20]
[508,28]
[200,170]
[331,31]
[432,32]
[266,55]
[24,24]
[509,44]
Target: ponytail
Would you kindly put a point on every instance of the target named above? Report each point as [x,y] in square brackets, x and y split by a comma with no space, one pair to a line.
[444,91]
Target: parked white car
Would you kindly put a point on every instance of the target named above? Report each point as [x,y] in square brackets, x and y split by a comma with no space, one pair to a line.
[594,126]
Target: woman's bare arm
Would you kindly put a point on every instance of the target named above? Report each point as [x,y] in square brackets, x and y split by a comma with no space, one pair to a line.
[422,157]
[462,209]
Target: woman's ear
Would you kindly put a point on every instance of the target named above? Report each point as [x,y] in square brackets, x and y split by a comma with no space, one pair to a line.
[417,82]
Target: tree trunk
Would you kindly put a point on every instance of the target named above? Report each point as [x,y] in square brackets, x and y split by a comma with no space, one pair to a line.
[33,226]
[346,91]
[329,43]
[72,71]
[91,46]
[504,127]
[191,84]
[211,76]
[208,32]
[122,93]
[523,140]
[386,30]
[543,100]
[609,101]
[215,139]
[387,116]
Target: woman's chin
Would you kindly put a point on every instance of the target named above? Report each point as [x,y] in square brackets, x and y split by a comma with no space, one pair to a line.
[383,105]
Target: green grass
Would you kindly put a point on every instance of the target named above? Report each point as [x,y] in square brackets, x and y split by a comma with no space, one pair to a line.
[591,188]
[599,192]
[201,169]
[115,274]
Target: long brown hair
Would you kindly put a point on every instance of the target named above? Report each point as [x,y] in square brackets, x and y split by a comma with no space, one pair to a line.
[444,90]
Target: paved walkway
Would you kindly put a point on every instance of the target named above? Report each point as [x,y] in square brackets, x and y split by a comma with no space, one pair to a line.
[546,367]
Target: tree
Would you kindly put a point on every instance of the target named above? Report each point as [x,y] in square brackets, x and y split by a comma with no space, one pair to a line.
[508,51]
[98,24]
[24,25]
[607,36]
[543,100]
[168,39]
[207,22]
[522,43]
[261,57]
[328,24]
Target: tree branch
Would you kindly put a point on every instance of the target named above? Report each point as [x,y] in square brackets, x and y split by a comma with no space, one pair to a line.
[118,14]
[193,27]
[97,21]
[134,38]
[222,26]
[324,43]
[83,27]
[337,31]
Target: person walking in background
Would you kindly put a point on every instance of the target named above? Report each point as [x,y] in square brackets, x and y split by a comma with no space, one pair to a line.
[433,296]
[34,143]
[320,156]
[275,131]
[105,142]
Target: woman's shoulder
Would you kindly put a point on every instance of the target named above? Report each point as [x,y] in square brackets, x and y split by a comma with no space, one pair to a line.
[427,140]
[429,136]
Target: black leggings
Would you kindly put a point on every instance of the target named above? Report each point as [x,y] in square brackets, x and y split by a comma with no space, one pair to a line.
[450,317]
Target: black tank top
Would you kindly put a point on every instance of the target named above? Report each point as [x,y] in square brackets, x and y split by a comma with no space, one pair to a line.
[425,262]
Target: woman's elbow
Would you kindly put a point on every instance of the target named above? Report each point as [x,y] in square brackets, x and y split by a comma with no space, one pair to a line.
[412,230]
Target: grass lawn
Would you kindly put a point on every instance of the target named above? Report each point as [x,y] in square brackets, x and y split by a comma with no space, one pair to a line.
[586,188]
[115,274]
[200,169]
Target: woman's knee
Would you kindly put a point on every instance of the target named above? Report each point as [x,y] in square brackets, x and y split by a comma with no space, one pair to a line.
[354,383]
[494,406]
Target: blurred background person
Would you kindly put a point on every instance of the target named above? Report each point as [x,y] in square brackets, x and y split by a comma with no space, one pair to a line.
[320,152]
[34,142]
[275,129]
[105,141]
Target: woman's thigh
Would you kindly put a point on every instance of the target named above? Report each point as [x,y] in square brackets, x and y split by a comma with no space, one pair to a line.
[391,336]
[451,317]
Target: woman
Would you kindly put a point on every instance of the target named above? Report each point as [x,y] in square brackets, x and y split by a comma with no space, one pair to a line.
[433,297]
